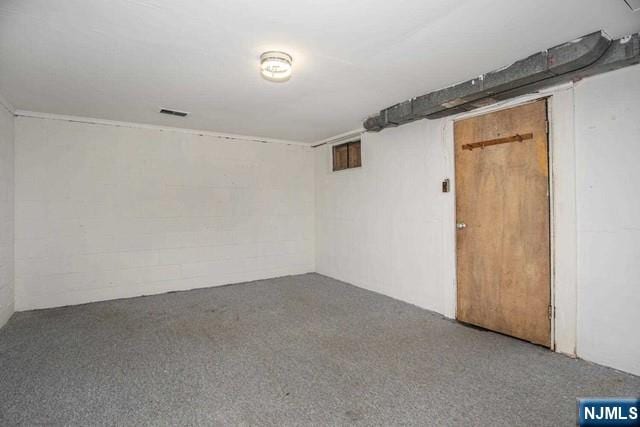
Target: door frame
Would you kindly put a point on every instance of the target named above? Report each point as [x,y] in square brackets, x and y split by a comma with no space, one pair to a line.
[562,206]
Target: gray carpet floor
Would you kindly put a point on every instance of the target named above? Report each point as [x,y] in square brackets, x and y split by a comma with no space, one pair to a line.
[298,350]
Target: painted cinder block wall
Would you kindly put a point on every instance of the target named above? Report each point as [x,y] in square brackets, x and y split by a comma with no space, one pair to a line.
[382,226]
[607,123]
[6,214]
[387,226]
[106,212]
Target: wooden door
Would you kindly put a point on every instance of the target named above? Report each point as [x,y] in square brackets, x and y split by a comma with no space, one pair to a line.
[502,215]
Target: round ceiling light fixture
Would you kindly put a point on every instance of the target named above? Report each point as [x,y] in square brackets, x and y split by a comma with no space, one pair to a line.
[275,66]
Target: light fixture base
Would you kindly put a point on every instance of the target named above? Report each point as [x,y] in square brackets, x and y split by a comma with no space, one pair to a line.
[276,66]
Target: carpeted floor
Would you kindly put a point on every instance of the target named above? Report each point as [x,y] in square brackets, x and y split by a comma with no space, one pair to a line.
[299,350]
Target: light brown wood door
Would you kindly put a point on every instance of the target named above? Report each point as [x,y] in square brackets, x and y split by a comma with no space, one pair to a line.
[502,215]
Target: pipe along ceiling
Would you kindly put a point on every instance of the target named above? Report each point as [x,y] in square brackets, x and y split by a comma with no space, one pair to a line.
[592,54]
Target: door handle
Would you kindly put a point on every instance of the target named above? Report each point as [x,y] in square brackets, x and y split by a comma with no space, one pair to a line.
[461,225]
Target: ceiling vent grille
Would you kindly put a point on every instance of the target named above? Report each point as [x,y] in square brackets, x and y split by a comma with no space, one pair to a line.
[173,112]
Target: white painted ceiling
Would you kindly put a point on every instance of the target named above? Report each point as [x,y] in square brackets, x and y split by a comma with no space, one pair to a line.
[124,59]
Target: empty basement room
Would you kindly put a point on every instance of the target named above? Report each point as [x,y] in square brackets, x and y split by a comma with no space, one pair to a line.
[310,213]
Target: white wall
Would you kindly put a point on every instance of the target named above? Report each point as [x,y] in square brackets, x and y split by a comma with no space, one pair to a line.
[387,227]
[608,199]
[382,226]
[6,214]
[108,212]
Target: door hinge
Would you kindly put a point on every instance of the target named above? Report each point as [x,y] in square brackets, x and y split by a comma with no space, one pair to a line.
[551,312]
[546,126]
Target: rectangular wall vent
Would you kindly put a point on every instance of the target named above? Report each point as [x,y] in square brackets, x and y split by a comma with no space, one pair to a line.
[173,112]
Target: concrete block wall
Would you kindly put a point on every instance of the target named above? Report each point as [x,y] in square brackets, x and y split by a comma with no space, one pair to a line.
[382,226]
[6,214]
[107,212]
[608,202]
